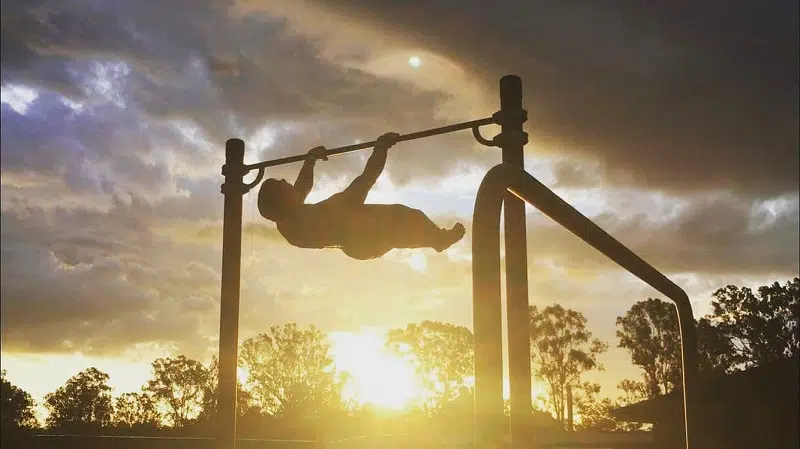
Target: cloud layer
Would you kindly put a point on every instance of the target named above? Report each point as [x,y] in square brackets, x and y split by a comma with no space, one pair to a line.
[671,96]
[676,132]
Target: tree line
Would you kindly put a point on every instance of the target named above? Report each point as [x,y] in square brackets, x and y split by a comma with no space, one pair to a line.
[292,390]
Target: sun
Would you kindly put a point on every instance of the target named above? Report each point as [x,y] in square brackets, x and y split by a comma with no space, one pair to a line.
[373,374]
[418,262]
[415,61]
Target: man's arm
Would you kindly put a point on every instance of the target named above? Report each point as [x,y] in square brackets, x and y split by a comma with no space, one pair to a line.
[305,180]
[358,190]
[377,161]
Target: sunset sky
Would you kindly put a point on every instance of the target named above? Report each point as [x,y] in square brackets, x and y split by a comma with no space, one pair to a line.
[674,128]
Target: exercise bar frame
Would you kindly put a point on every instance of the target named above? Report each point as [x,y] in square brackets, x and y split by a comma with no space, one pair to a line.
[494,194]
[511,140]
[498,182]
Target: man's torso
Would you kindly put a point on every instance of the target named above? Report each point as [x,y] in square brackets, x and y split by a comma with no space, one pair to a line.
[330,224]
[313,226]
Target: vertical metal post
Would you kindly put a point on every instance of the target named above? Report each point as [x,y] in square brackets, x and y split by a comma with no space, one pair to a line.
[233,189]
[570,421]
[513,139]
[689,359]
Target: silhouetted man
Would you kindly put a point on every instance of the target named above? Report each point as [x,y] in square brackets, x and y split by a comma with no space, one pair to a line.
[362,231]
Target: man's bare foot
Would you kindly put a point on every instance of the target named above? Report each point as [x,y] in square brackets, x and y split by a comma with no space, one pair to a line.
[450,237]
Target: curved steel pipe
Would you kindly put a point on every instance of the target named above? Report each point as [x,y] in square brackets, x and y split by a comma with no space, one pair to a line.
[486,287]
[255,182]
[476,133]
[487,312]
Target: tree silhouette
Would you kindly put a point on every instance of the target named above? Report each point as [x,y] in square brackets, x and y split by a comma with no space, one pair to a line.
[136,410]
[762,327]
[715,351]
[594,411]
[632,391]
[743,330]
[649,331]
[16,411]
[178,384]
[290,373]
[83,404]
[209,406]
[562,349]
[443,353]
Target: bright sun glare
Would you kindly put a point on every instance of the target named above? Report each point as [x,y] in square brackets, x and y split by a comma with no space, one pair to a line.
[414,61]
[418,261]
[375,375]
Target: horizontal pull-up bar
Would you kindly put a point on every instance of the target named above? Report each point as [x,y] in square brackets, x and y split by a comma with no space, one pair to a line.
[360,146]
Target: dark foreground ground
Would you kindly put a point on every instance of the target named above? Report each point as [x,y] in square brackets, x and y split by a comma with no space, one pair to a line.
[576,440]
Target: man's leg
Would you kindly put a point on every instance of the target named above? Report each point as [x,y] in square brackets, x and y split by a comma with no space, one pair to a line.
[393,226]
[364,252]
[366,238]
[411,228]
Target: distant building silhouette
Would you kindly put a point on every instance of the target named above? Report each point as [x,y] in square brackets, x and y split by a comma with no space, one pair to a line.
[757,409]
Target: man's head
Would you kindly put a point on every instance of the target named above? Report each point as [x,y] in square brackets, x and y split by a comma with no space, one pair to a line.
[277,199]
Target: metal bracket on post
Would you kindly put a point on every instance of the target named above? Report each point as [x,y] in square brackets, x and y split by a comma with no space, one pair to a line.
[254,182]
[476,132]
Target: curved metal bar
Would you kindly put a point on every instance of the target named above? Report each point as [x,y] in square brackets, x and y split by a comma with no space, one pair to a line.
[370,144]
[486,281]
[255,182]
[476,132]
[487,312]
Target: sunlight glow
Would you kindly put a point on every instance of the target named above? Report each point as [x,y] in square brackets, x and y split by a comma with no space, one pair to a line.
[263,138]
[467,96]
[39,374]
[242,375]
[374,375]
[418,261]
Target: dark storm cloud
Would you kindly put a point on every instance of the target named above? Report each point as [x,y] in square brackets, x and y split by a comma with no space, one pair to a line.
[94,277]
[98,282]
[88,149]
[714,236]
[673,95]
[144,34]
[161,61]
